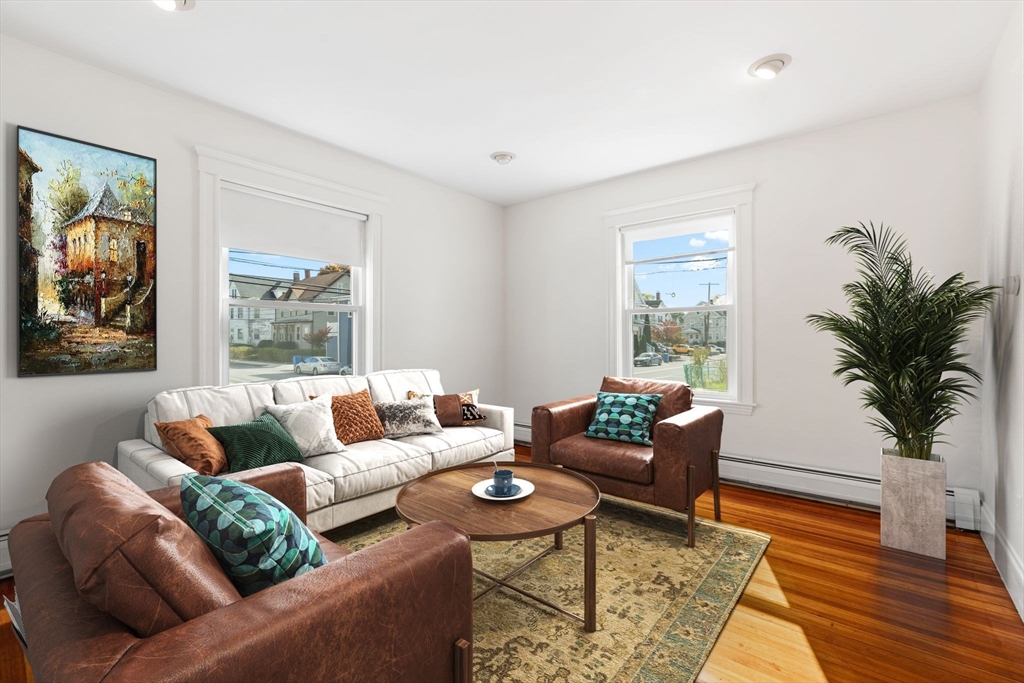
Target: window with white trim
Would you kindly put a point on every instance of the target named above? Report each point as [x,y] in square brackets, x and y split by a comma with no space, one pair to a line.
[681,298]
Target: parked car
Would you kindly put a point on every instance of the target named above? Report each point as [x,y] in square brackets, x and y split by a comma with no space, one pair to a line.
[647,359]
[318,365]
[716,349]
[682,348]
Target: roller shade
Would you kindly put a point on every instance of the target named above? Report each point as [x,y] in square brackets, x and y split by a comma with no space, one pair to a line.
[269,223]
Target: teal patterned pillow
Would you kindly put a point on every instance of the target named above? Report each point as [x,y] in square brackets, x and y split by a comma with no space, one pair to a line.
[624,417]
[255,537]
[255,444]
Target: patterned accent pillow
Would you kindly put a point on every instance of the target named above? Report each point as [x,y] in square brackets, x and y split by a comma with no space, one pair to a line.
[255,444]
[189,442]
[405,418]
[624,417]
[452,409]
[354,418]
[311,425]
[257,540]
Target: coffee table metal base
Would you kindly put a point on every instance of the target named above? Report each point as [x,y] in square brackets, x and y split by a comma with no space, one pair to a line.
[589,618]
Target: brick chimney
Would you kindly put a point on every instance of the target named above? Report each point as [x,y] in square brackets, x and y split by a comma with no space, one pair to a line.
[307,273]
[295,277]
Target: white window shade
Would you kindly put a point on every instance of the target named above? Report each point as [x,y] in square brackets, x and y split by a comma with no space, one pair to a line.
[265,222]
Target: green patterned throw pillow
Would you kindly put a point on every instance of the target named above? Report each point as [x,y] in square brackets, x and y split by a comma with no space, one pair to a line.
[624,417]
[255,444]
[254,536]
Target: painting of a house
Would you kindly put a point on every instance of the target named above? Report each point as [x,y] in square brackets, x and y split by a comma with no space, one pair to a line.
[87,238]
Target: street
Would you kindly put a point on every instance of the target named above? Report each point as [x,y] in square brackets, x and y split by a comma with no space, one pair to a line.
[246,371]
[673,370]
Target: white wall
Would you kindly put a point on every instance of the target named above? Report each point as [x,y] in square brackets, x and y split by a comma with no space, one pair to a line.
[442,265]
[916,170]
[1002,436]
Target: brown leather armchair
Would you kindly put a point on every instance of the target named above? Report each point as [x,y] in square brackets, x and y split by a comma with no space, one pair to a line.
[400,610]
[682,464]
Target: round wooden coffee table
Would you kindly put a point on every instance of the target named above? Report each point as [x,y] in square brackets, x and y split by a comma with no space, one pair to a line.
[562,500]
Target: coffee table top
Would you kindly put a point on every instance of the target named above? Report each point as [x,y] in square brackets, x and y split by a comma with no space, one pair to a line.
[561,500]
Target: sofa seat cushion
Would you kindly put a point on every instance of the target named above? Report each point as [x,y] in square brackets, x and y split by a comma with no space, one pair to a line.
[457,445]
[630,462]
[319,487]
[132,557]
[370,466]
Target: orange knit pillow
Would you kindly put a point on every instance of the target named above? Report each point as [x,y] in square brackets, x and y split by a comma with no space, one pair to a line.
[354,418]
[189,442]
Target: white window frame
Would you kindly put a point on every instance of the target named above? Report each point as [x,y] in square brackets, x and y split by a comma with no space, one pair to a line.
[219,169]
[620,294]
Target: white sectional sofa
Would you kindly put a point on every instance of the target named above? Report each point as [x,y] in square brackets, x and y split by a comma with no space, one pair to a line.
[340,487]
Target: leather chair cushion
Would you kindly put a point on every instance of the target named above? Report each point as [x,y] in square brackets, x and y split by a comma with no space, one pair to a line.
[132,557]
[676,397]
[626,461]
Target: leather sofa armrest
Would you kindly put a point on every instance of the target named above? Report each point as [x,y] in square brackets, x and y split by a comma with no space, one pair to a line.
[685,439]
[390,612]
[500,418]
[286,482]
[556,421]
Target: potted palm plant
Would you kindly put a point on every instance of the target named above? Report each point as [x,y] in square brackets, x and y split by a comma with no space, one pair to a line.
[901,339]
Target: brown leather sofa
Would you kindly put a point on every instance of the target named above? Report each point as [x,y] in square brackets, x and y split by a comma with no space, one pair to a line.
[682,464]
[400,610]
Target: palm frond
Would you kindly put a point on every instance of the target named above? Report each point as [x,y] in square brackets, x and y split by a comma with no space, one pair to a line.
[901,338]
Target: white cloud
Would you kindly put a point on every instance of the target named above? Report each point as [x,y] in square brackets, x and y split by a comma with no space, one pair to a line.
[720,235]
[702,263]
[695,242]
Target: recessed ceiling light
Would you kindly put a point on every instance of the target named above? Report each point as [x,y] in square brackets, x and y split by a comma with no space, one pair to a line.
[770,66]
[175,5]
[503,157]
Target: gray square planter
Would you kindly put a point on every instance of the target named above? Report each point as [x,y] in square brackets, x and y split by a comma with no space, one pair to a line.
[914,504]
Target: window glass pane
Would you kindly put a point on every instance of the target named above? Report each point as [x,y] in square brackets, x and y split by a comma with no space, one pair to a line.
[690,236]
[269,277]
[681,282]
[686,347]
[274,346]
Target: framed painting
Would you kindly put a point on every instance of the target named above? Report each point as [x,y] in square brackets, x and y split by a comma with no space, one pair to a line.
[87,257]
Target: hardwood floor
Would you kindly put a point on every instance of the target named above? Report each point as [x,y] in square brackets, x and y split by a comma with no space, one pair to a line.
[828,603]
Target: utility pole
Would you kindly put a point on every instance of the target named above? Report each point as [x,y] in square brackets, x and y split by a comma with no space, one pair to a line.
[707,314]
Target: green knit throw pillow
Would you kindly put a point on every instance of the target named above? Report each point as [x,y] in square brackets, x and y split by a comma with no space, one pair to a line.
[624,417]
[255,444]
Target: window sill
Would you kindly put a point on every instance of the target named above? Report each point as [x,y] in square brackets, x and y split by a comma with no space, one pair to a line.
[733,407]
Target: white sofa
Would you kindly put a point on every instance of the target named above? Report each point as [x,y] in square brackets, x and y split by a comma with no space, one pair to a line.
[340,487]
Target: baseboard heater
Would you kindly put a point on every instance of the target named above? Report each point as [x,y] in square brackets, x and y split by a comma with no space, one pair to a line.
[962,505]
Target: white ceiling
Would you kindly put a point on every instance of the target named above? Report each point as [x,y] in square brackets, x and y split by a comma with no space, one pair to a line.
[581,92]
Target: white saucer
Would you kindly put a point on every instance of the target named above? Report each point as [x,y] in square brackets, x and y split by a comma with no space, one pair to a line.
[479,490]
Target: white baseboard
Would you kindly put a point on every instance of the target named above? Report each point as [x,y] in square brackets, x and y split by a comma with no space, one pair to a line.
[521,433]
[5,555]
[1008,563]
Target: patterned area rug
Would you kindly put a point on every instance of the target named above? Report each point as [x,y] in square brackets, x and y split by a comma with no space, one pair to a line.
[660,604]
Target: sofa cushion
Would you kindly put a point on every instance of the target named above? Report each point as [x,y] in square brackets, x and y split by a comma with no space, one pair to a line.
[355,418]
[627,461]
[256,538]
[258,443]
[405,418]
[457,445]
[676,397]
[132,557]
[189,442]
[624,417]
[223,405]
[310,424]
[299,389]
[395,385]
[370,466]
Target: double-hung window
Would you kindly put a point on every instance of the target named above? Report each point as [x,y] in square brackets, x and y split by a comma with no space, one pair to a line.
[294,285]
[681,298]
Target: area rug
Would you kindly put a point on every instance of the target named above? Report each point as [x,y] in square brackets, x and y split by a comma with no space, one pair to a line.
[660,604]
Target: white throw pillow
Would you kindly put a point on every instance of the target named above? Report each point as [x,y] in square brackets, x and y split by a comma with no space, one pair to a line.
[311,424]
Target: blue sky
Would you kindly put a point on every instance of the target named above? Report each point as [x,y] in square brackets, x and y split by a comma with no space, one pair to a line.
[266,265]
[685,277]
